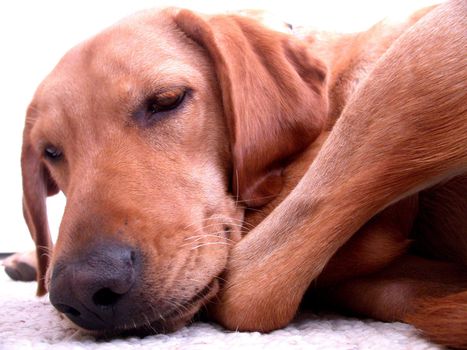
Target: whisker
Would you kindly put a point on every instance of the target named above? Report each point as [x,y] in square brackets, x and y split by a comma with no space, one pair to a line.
[239,224]
[207,226]
[155,315]
[193,280]
[257,198]
[149,323]
[247,225]
[47,255]
[217,234]
[161,317]
[237,190]
[199,237]
[218,239]
[201,243]
[214,217]
[256,210]
[178,307]
[204,227]
[48,250]
[221,279]
[209,243]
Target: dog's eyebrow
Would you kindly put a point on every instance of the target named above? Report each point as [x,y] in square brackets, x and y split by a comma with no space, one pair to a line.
[172,72]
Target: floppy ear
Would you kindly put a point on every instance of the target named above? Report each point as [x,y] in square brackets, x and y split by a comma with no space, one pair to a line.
[37,185]
[274,96]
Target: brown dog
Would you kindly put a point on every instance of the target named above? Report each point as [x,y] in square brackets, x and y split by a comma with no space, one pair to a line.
[163,129]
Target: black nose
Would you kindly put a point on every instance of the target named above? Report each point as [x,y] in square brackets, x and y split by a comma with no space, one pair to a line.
[93,289]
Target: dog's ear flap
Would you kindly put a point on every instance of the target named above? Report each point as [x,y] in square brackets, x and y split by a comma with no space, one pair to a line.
[37,185]
[274,95]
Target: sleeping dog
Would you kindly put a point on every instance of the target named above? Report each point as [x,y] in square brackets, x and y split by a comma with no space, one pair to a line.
[173,135]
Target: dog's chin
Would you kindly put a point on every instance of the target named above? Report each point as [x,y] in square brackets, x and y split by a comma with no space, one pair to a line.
[170,322]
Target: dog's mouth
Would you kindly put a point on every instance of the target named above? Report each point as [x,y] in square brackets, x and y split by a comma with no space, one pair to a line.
[170,321]
[199,298]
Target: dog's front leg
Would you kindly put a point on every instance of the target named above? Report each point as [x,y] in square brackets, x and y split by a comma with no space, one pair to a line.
[404,130]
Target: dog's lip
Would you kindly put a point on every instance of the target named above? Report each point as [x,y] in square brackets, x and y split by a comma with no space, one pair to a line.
[206,293]
[192,305]
[174,317]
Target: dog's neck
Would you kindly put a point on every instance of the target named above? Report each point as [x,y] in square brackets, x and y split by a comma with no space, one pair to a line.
[349,57]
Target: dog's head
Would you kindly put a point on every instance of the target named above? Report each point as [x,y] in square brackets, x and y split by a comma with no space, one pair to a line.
[160,131]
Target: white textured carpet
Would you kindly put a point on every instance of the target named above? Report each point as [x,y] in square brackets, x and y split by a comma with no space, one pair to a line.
[27,322]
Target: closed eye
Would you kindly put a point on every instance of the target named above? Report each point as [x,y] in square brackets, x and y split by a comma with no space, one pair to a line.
[52,153]
[166,101]
[160,105]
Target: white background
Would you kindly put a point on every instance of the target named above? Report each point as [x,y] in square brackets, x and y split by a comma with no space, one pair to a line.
[35,34]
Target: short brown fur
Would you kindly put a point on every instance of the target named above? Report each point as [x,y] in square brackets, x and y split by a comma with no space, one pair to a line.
[332,146]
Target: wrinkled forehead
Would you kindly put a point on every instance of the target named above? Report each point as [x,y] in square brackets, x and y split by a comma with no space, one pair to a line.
[139,54]
[139,46]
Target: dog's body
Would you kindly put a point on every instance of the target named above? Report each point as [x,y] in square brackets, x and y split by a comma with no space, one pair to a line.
[429,224]
[164,119]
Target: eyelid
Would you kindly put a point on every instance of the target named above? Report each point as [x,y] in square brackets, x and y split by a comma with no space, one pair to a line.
[172,92]
[52,153]
[145,118]
[166,90]
[169,96]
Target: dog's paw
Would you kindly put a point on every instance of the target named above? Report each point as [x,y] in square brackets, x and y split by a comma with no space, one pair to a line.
[21,266]
[256,313]
[254,297]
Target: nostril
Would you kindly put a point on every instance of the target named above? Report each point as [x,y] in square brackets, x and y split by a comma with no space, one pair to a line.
[68,310]
[133,256]
[105,297]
